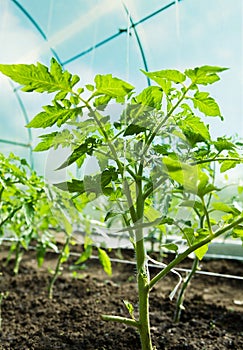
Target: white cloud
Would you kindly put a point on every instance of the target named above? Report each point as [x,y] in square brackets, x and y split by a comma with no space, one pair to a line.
[16,41]
[81,22]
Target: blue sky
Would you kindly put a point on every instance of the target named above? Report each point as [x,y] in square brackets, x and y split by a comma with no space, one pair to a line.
[187,34]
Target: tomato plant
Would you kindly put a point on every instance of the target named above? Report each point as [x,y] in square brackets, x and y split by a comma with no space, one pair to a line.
[147,143]
[25,208]
[32,212]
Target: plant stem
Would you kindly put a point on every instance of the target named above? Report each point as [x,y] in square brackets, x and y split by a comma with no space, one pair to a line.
[10,215]
[142,273]
[58,266]
[157,128]
[143,295]
[18,257]
[182,256]
[207,216]
[125,320]
[180,298]
[210,160]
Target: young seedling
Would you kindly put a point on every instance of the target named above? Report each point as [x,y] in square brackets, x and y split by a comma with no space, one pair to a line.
[21,195]
[155,141]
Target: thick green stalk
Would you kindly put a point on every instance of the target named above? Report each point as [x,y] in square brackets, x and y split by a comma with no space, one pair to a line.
[143,323]
[143,294]
[142,275]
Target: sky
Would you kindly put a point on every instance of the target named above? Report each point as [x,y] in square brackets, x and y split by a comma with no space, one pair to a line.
[187,34]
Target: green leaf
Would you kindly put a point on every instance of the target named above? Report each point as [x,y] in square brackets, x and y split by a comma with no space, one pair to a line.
[29,212]
[193,238]
[227,165]
[238,231]
[40,254]
[85,255]
[89,87]
[71,186]
[225,208]
[206,104]
[186,175]
[60,95]
[240,189]
[193,124]
[202,191]
[101,102]
[115,195]
[107,191]
[188,234]
[102,160]
[167,220]
[133,129]
[170,246]
[192,204]
[223,143]
[92,184]
[204,75]
[105,261]
[129,307]
[67,225]
[111,86]
[63,138]
[200,252]
[53,115]
[162,149]
[204,187]
[150,97]
[46,143]
[110,215]
[85,148]
[168,74]
[151,214]
[74,100]
[107,176]
[38,78]
[65,254]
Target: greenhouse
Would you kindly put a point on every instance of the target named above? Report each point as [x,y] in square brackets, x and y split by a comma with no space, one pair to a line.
[121,191]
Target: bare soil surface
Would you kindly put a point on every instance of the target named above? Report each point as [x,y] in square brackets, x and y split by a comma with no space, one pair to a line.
[212,319]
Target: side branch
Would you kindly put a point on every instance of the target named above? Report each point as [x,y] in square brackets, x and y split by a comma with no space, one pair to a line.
[119,319]
[210,160]
[191,249]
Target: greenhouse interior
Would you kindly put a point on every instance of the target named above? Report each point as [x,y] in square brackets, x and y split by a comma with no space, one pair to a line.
[121,189]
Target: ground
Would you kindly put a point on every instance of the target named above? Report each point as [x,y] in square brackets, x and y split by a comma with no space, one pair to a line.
[212,319]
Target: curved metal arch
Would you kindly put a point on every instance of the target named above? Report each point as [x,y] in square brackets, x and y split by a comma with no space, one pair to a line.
[15,90]
[36,25]
[138,41]
[85,52]
[120,31]
[26,118]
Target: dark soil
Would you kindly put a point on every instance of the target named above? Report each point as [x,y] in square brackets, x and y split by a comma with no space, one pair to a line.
[212,319]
